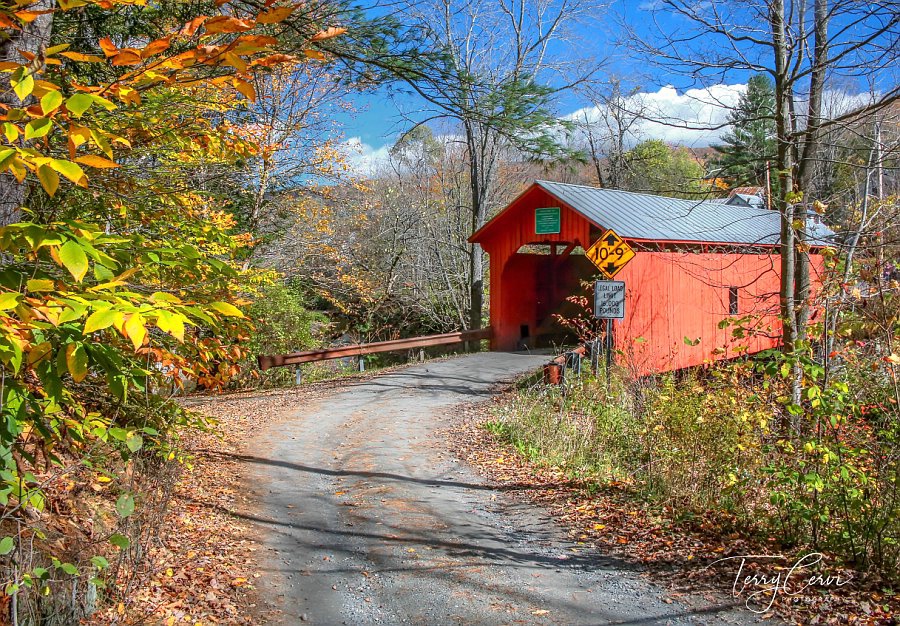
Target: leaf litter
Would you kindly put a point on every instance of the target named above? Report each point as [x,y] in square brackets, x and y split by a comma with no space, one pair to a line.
[685,555]
[203,569]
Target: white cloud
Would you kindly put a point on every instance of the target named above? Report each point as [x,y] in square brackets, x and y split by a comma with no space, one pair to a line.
[699,117]
[695,117]
[837,102]
[364,159]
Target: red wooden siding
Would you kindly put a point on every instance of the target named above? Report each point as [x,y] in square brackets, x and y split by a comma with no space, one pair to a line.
[514,227]
[514,277]
[670,296]
[675,299]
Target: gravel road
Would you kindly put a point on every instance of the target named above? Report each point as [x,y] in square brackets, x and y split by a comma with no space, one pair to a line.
[369,519]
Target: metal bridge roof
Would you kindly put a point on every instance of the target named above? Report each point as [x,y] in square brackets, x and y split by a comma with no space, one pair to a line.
[658,218]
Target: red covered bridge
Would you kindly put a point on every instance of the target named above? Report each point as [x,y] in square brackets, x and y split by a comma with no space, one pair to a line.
[697,264]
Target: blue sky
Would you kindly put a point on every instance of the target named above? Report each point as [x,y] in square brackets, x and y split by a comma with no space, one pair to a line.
[378,121]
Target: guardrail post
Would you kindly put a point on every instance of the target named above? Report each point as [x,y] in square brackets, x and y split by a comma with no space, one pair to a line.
[595,356]
[553,373]
[298,375]
[361,362]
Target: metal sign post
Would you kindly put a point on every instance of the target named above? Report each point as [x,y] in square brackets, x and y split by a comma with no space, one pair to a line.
[610,323]
[609,254]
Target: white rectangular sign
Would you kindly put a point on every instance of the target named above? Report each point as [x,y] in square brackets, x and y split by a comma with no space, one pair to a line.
[609,299]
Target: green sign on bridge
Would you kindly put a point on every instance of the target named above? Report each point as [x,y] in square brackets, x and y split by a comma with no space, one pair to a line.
[546,221]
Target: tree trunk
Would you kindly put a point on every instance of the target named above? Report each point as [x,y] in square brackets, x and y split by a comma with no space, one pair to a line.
[476,258]
[33,38]
[785,204]
[805,166]
[476,284]
[785,172]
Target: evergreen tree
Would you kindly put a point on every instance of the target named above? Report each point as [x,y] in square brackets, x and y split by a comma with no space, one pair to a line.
[751,141]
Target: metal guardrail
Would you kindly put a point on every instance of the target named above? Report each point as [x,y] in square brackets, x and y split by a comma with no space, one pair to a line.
[309,356]
[555,370]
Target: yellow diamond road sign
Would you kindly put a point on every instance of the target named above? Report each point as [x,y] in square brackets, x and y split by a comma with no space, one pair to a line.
[610,253]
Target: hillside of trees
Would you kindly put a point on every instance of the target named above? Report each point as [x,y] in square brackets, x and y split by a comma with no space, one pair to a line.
[175,198]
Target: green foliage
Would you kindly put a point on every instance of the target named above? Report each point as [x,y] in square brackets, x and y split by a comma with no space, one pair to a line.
[823,473]
[78,332]
[91,325]
[833,476]
[282,322]
[120,281]
[505,102]
[666,440]
[655,167]
[703,439]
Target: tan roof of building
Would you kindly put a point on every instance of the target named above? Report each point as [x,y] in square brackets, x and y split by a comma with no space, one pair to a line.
[747,191]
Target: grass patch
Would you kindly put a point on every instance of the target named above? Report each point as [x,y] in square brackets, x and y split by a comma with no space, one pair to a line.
[702,445]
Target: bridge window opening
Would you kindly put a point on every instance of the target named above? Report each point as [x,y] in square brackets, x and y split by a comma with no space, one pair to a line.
[733,308]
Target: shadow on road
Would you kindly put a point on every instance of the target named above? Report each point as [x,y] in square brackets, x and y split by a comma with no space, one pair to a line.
[467,556]
[429,482]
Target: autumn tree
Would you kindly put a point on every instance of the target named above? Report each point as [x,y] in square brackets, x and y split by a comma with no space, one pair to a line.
[489,71]
[121,280]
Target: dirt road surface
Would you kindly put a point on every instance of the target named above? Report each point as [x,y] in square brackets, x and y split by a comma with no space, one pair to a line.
[369,519]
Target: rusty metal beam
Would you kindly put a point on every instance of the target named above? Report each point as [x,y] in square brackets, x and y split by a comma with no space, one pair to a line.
[309,356]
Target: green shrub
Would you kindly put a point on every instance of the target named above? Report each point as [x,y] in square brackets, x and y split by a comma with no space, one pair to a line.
[702,442]
[832,480]
[582,426]
[716,441]
[282,323]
